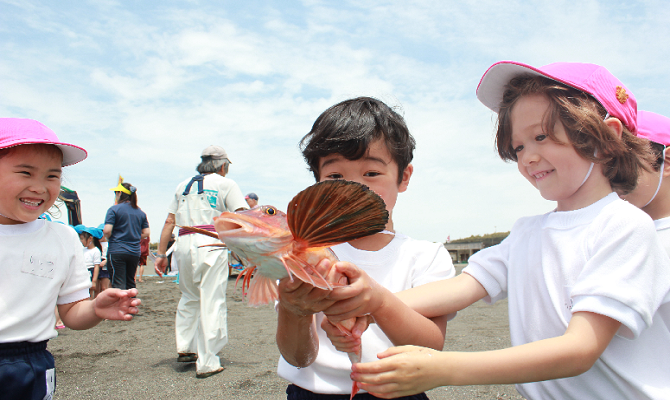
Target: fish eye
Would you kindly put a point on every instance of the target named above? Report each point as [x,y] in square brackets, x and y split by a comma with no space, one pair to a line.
[270,211]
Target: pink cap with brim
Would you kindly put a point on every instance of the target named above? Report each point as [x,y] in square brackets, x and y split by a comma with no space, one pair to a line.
[18,131]
[653,127]
[590,78]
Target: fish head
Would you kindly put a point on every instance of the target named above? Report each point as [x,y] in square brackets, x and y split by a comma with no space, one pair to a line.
[258,231]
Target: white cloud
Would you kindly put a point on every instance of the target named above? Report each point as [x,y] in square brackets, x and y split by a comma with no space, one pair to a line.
[146,86]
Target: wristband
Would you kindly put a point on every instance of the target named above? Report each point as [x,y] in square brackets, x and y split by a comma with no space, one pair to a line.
[161,256]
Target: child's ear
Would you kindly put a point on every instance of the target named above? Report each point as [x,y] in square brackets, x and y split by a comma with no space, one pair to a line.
[406,175]
[666,165]
[615,124]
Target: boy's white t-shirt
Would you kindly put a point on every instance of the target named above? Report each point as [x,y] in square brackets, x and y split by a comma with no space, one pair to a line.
[41,265]
[402,264]
[605,258]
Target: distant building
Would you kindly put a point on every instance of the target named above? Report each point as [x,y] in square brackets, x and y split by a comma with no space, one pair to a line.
[461,249]
[461,252]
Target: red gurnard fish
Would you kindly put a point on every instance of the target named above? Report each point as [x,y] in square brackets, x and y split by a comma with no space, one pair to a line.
[274,245]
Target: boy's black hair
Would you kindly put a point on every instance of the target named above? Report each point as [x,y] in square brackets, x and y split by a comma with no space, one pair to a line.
[348,128]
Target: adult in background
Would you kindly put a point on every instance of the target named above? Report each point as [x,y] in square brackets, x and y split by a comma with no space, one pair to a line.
[252,200]
[125,225]
[201,321]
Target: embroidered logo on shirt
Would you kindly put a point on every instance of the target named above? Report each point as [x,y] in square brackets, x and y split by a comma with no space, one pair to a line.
[39,264]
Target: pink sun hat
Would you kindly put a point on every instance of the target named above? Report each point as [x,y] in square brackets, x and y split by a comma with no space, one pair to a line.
[18,131]
[653,127]
[590,78]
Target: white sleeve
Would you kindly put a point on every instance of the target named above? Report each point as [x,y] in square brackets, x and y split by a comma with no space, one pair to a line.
[78,281]
[439,267]
[233,198]
[627,275]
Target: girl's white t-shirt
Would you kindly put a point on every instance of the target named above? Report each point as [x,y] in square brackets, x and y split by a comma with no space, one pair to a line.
[606,259]
[92,257]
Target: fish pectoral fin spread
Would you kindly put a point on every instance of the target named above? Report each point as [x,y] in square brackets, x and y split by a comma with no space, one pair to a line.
[246,274]
[262,290]
[305,272]
[335,211]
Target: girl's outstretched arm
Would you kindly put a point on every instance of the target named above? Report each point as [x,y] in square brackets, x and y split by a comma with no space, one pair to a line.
[115,304]
[407,370]
[443,297]
[363,296]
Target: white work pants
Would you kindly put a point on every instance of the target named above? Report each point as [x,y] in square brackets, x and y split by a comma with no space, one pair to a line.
[201,322]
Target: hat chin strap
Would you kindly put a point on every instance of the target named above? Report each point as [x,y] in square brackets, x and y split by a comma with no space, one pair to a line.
[595,153]
[587,174]
[660,180]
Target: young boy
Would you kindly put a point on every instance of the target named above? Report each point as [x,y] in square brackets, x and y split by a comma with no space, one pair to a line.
[359,140]
[652,194]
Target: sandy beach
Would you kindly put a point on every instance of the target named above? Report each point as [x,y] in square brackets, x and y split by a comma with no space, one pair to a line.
[137,359]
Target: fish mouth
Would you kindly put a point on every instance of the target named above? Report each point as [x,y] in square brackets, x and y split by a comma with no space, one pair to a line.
[231,226]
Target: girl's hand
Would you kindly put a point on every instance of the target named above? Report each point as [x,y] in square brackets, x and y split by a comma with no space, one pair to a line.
[342,342]
[401,371]
[116,304]
[362,296]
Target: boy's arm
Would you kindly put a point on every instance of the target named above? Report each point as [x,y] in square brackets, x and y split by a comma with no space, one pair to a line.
[114,304]
[408,370]
[297,338]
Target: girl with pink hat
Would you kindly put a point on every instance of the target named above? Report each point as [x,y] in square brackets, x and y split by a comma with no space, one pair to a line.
[587,284]
[41,262]
[652,193]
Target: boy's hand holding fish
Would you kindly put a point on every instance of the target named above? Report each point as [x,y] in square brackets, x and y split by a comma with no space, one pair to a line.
[304,299]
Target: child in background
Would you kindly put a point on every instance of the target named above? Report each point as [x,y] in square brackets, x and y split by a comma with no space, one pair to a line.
[90,239]
[41,262]
[144,253]
[588,284]
[359,140]
[652,193]
[103,276]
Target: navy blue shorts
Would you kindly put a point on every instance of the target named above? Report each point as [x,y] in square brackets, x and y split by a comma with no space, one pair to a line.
[294,392]
[26,371]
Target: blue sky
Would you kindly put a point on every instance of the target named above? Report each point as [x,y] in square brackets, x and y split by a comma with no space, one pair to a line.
[145,86]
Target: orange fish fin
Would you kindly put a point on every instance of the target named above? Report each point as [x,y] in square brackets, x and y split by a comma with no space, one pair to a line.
[305,272]
[262,290]
[198,230]
[245,275]
[354,390]
[332,212]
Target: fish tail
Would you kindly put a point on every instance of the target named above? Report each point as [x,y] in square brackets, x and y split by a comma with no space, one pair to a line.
[335,211]
[305,272]
[262,290]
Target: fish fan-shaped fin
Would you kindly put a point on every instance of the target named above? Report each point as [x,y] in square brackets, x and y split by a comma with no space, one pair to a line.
[332,212]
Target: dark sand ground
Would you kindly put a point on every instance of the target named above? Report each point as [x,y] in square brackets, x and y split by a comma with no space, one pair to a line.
[137,360]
